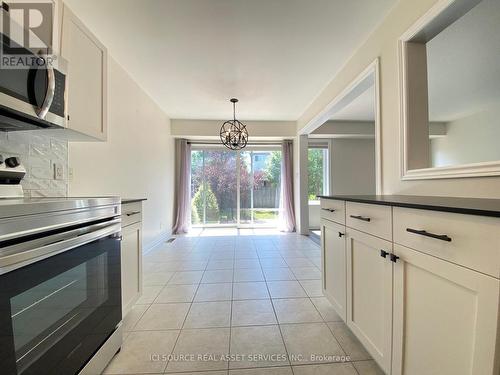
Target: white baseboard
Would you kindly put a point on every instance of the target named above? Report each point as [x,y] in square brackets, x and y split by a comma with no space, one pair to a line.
[156,242]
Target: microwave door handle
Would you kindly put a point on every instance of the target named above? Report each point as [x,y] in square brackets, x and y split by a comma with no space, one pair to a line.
[41,112]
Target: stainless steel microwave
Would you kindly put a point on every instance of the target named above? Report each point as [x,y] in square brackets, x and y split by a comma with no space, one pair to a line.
[33,97]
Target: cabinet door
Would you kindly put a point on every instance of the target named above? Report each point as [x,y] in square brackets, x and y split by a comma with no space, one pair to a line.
[369,294]
[131,261]
[87,77]
[333,265]
[445,317]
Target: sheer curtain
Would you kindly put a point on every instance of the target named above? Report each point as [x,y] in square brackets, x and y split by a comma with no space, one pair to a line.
[182,221]
[287,213]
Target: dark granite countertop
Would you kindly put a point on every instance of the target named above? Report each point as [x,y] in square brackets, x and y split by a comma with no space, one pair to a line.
[132,200]
[469,206]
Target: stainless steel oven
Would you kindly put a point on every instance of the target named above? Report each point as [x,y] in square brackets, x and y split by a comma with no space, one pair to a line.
[60,288]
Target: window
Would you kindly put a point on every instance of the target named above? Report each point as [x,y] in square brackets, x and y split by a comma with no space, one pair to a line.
[260,187]
[219,197]
[317,172]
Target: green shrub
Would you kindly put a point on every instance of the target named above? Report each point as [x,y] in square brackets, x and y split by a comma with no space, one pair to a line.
[195,218]
[197,203]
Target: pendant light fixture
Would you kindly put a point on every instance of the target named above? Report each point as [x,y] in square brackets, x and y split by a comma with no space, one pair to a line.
[233,133]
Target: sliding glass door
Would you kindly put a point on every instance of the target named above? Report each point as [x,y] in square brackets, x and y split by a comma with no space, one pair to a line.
[235,188]
[213,187]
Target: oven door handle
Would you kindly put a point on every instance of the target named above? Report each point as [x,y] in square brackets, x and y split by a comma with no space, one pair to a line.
[26,256]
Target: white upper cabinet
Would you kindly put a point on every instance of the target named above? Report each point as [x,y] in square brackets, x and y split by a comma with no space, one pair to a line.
[87,77]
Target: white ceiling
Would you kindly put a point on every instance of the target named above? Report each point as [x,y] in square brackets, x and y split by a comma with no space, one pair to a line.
[362,108]
[191,56]
[464,64]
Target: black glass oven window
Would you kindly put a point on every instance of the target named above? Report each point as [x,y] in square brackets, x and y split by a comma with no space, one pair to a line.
[48,310]
[55,314]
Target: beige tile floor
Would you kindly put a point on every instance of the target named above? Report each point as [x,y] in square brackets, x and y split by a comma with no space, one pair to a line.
[229,302]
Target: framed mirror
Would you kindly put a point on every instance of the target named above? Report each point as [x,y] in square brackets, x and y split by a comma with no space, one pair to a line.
[450,91]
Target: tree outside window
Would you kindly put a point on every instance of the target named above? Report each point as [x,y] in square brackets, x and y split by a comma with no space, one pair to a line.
[317,172]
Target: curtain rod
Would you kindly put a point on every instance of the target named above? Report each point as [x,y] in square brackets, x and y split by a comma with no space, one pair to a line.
[263,143]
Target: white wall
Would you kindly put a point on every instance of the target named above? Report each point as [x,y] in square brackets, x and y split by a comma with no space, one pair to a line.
[314,216]
[201,129]
[346,129]
[300,161]
[383,43]
[353,166]
[470,139]
[137,161]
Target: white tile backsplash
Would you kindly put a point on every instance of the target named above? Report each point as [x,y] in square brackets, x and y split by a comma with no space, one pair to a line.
[38,154]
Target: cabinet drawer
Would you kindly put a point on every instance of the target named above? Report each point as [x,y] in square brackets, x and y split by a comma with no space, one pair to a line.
[370,218]
[131,213]
[333,210]
[467,240]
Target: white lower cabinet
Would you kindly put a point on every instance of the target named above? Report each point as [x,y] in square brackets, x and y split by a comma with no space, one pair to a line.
[445,317]
[131,266]
[426,302]
[131,255]
[369,294]
[334,265]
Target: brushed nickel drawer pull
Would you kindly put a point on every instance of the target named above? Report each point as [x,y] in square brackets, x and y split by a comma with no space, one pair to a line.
[132,213]
[328,209]
[367,219]
[442,237]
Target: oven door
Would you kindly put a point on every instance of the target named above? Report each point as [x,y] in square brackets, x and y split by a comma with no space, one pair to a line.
[56,312]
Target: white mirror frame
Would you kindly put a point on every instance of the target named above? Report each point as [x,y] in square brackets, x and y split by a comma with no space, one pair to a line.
[339,102]
[491,168]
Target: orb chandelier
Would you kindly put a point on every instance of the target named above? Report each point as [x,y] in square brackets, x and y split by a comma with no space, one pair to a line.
[233,133]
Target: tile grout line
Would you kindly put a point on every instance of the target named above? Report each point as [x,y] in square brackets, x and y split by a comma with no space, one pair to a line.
[184,321]
[327,325]
[280,250]
[279,326]
[231,315]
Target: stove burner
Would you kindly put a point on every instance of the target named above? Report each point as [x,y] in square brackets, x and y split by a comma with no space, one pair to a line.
[11,174]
